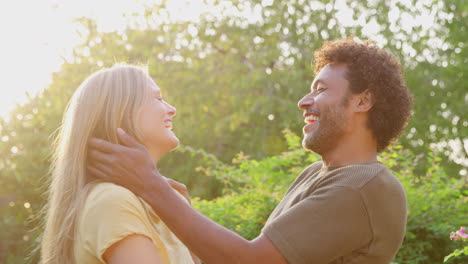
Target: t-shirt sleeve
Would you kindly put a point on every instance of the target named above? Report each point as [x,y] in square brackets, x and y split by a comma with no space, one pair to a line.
[113,214]
[329,223]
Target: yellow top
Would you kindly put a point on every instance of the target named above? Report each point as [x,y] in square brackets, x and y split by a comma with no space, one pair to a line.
[110,213]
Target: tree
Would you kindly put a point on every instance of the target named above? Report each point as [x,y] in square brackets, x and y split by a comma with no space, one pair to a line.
[235,76]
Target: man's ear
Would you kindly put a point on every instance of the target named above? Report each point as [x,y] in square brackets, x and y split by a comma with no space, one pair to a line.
[365,101]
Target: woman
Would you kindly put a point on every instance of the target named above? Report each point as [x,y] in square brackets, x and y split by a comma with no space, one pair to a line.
[90,221]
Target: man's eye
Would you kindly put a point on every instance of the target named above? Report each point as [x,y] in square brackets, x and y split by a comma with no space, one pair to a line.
[321,89]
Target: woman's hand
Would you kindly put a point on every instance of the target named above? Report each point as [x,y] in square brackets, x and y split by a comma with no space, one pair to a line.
[129,165]
[181,188]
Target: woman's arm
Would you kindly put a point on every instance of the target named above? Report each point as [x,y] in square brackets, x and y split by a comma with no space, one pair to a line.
[132,249]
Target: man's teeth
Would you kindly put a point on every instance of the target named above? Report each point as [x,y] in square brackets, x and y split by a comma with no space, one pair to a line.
[311,118]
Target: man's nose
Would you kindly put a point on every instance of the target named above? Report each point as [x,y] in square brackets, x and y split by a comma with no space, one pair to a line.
[306,102]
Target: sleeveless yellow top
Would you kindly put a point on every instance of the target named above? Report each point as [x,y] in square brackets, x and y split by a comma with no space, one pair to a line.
[110,213]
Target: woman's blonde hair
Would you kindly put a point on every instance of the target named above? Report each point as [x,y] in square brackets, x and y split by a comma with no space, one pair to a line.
[108,99]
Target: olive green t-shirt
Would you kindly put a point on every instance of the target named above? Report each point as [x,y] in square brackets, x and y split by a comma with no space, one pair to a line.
[349,214]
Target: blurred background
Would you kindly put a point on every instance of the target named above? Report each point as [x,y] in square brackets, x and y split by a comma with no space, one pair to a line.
[235,71]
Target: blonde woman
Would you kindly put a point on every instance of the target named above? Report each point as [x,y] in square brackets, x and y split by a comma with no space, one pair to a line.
[90,221]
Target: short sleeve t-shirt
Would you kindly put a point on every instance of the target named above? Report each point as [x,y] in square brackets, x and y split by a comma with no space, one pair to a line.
[349,214]
[110,213]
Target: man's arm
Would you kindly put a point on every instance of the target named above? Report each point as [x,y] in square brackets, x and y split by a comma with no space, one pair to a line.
[130,167]
[182,189]
[208,240]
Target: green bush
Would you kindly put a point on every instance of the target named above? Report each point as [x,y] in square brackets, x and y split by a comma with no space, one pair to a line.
[254,187]
[437,204]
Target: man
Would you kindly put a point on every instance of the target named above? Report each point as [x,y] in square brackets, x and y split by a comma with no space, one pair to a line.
[347,208]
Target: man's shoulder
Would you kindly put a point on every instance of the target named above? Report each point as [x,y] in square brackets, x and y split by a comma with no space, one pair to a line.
[365,178]
[356,175]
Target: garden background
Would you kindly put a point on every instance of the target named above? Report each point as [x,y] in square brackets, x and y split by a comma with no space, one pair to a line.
[235,75]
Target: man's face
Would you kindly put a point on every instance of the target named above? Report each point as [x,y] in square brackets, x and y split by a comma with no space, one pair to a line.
[325,109]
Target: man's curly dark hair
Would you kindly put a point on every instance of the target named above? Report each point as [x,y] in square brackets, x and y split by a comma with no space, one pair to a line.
[372,68]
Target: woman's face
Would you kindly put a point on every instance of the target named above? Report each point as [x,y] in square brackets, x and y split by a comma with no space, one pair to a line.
[155,124]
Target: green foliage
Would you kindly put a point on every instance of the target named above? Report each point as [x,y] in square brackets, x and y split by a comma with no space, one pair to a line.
[436,204]
[235,81]
[456,253]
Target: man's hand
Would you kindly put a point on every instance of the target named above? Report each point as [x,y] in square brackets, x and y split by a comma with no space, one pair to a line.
[129,165]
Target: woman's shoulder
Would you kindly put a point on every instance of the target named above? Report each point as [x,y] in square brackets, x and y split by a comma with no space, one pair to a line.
[109,188]
[108,196]
[110,213]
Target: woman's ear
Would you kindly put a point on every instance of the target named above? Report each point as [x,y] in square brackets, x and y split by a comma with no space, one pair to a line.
[365,101]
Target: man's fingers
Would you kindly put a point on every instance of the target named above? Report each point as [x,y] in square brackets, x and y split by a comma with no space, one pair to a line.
[125,139]
[98,156]
[102,145]
[97,173]
[177,185]
[102,168]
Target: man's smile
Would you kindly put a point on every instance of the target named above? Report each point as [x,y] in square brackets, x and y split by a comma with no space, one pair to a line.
[311,118]
[311,122]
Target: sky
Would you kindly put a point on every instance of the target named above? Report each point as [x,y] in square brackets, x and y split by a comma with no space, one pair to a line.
[37,34]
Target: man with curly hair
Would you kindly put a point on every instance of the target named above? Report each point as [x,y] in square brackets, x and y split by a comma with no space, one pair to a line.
[347,208]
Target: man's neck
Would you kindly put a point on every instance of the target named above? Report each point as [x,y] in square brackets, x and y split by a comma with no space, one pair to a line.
[351,150]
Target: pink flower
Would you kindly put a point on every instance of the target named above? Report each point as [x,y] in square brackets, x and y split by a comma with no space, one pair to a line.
[459,233]
[462,232]
[454,236]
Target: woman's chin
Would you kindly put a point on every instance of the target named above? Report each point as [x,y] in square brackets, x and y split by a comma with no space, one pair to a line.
[159,149]
[175,143]
[171,144]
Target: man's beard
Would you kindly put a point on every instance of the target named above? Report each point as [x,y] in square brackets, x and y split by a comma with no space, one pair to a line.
[331,128]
